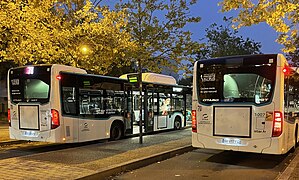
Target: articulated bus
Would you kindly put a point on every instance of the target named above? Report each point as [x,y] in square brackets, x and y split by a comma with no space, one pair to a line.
[63,104]
[246,103]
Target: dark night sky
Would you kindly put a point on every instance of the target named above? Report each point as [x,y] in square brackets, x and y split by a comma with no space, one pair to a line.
[210,13]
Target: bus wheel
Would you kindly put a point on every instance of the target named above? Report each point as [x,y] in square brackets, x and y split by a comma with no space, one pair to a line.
[296,137]
[116,131]
[177,123]
[293,149]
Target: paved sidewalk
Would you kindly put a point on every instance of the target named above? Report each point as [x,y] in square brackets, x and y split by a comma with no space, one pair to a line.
[27,168]
[106,159]
[4,134]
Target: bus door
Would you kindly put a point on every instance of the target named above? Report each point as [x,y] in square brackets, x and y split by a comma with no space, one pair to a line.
[69,111]
[163,104]
[149,110]
[128,110]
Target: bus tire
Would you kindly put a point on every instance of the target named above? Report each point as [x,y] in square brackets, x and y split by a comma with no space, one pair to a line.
[177,123]
[296,137]
[116,131]
[293,149]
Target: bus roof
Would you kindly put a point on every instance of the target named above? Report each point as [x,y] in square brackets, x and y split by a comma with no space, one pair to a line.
[279,59]
[155,78]
[239,56]
[59,67]
[99,76]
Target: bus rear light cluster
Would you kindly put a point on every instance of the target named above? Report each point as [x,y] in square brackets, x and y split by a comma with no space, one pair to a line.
[55,119]
[8,117]
[58,77]
[194,122]
[286,70]
[277,124]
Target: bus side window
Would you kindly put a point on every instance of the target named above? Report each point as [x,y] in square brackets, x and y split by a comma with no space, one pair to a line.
[91,102]
[296,92]
[178,102]
[291,98]
[114,101]
[69,100]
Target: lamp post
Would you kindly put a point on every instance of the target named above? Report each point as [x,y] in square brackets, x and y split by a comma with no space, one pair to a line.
[140,100]
[140,76]
[136,80]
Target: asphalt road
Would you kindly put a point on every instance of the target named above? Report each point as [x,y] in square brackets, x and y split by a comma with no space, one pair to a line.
[213,164]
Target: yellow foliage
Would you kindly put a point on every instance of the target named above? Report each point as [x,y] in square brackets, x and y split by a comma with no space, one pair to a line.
[41,32]
[281,15]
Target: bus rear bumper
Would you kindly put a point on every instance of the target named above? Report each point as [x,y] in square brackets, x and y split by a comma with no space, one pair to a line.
[30,135]
[264,145]
[195,142]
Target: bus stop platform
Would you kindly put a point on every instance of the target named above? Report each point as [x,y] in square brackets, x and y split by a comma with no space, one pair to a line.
[107,159]
[97,160]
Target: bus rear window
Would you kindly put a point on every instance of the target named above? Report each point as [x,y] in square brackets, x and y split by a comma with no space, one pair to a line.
[36,89]
[30,84]
[227,83]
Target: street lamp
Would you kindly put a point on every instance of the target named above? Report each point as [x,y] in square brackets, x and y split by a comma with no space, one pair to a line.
[84,49]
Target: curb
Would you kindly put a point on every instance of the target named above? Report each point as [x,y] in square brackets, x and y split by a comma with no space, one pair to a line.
[7,143]
[138,163]
[286,174]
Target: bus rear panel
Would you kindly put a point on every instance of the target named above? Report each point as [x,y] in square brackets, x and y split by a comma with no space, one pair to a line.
[238,104]
[34,103]
[29,97]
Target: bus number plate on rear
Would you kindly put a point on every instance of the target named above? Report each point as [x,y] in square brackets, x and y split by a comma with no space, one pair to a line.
[30,133]
[232,142]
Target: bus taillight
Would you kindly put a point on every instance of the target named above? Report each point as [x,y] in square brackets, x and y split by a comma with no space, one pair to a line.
[58,77]
[55,119]
[286,70]
[8,117]
[194,126]
[277,124]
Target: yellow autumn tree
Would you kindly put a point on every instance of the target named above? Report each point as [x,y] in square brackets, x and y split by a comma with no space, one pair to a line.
[159,27]
[281,15]
[43,32]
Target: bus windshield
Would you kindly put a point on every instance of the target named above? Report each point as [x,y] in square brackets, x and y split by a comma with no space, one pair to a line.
[228,81]
[30,84]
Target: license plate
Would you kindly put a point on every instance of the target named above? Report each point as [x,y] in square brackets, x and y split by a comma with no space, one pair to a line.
[231,141]
[30,133]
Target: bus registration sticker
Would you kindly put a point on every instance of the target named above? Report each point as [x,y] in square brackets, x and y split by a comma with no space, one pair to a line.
[30,133]
[231,141]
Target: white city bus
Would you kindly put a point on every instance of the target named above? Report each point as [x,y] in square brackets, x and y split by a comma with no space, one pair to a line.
[57,103]
[164,102]
[246,103]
